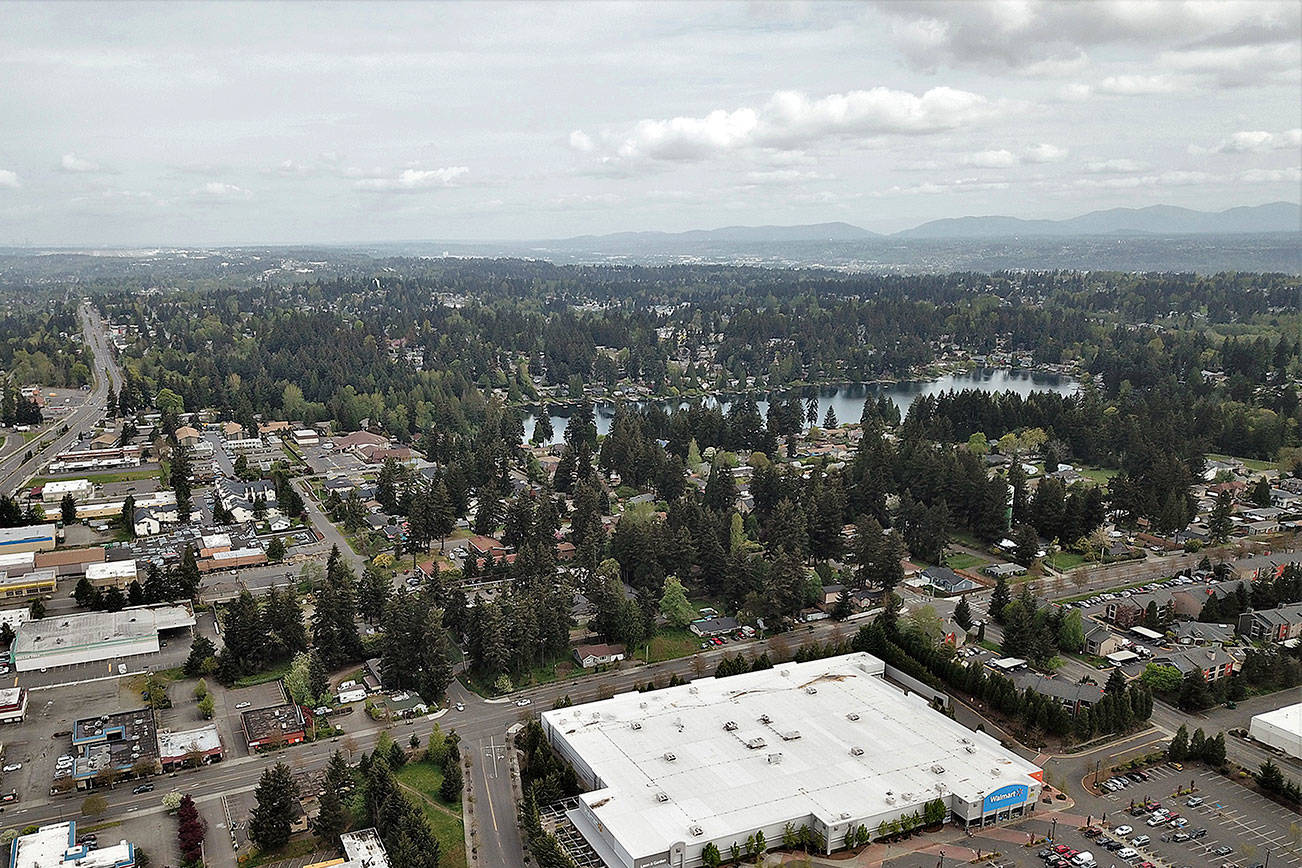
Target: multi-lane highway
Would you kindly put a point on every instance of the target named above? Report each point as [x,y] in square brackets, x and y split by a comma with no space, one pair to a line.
[14,471]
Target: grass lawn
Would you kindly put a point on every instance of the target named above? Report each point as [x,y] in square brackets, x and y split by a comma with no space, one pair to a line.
[273,674]
[1065,560]
[962,561]
[105,478]
[444,819]
[1250,463]
[298,847]
[670,644]
[1098,475]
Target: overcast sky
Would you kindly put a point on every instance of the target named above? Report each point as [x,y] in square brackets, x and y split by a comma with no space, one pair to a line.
[213,124]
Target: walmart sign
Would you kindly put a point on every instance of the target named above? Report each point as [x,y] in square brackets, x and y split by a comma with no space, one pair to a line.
[1005,797]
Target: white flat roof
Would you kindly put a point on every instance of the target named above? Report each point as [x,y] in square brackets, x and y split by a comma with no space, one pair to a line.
[111,570]
[64,485]
[96,635]
[1287,721]
[181,742]
[838,738]
[55,845]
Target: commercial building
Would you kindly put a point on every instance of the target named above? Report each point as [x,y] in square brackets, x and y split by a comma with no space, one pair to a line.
[125,742]
[362,849]
[1281,729]
[176,748]
[112,573]
[31,583]
[81,490]
[827,744]
[27,538]
[274,726]
[85,637]
[13,704]
[55,846]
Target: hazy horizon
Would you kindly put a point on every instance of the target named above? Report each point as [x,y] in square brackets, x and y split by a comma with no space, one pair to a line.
[140,125]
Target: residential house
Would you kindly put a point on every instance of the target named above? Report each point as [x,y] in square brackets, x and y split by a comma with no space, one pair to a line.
[705,627]
[1073,695]
[598,654]
[945,581]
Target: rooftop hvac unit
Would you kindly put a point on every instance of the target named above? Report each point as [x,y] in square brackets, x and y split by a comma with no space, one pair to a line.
[970,749]
[856,751]
[938,769]
[693,690]
[811,690]
[774,758]
[730,726]
[637,724]
[764,718]
[890,799]
[642,705]
[695,830]
[995,772]
[791,735]
[670,757]
[845,815]
[662,797]
[755,743]
[852,716]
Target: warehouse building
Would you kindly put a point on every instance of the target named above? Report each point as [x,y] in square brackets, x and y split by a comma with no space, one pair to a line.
[86,637]
[27,538]
[1280,729]
[81,490]
[32,583]
[827,744]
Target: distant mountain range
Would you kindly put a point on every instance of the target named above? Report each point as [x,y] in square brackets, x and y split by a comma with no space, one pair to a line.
[1154,220]
[1157,220]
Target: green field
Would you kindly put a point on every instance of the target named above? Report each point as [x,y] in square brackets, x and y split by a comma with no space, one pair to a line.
[1098,475]
[670,644]
[1250,463]
[105,478]
[421,781]
[963,561]
[1065,560]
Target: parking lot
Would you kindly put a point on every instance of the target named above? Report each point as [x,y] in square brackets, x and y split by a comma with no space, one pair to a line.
[1232,816]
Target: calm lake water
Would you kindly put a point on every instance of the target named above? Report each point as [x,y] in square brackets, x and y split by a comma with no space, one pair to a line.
[847,399]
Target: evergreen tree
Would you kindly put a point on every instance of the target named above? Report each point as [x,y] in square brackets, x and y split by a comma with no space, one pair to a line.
[1000,597]
[450,789]
[68,509]
[963,614]
[318,680]
[1218,523]
[332,819]
[272,817]
[1178,749]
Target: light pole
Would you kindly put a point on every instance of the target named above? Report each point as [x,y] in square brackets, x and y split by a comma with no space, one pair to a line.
[1053,832]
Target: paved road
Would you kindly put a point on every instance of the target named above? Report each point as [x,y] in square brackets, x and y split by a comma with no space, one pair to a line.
[13,471]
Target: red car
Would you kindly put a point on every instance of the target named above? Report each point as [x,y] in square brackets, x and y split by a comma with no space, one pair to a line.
[1061,848]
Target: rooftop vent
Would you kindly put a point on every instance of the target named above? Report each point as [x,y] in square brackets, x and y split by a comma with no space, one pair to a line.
[856,751]
[670,757]
[811,690]
[852,716]
[662,797]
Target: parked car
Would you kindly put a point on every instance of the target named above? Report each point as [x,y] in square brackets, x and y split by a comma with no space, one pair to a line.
[523,702]
[1122,830]
[243,704]
[1222,850]
[1127,853]
[13,767]
[1181,837]
[1199,833]
[1193,802]
[143,788]
[1114,845]
[1140,841]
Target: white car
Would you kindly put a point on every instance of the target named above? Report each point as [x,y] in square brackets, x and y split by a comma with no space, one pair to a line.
[1140,841]
[243,704]
[1127,853]
[523,702]
[13,767]
[460,707]
[1122,831]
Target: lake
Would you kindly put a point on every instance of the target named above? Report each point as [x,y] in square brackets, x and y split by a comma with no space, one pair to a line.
[847,399]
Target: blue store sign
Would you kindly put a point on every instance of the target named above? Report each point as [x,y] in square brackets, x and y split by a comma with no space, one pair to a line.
[1005,797]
